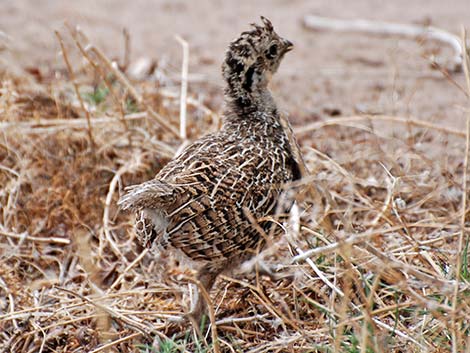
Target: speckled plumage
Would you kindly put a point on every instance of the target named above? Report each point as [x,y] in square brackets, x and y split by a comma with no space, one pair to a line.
[203,202]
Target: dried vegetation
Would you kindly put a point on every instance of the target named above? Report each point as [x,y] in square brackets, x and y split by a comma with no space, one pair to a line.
[378,256]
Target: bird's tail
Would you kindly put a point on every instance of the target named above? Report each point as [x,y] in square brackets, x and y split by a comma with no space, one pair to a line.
[151,194]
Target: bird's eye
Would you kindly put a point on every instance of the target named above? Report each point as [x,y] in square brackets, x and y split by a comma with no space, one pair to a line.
[272,51]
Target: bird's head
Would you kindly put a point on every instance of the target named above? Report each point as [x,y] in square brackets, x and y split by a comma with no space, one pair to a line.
[254,57]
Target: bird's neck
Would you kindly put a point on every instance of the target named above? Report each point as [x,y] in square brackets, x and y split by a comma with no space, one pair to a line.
[254,104]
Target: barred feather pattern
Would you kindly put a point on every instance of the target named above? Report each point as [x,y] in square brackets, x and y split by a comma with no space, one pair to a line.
[227,177]
[213,187]
[205,201]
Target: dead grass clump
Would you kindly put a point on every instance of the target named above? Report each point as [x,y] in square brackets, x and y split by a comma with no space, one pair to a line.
[376,264]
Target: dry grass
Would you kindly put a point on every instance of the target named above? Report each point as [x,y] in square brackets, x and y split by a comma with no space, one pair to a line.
[381,264]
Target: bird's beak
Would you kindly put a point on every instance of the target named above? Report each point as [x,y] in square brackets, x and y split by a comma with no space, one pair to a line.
[288,45]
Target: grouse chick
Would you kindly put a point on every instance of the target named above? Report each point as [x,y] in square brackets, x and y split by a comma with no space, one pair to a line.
[203,203]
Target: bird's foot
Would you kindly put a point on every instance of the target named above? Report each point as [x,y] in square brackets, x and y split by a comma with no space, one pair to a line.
[270,271]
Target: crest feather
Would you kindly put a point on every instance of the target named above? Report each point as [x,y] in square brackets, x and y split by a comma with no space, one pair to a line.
[267,24]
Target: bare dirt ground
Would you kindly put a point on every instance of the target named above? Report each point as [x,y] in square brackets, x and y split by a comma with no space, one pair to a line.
[343,72]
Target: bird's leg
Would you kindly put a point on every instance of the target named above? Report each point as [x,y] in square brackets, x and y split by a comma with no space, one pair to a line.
[270,271]
[267,270]
[206,277]
[262,268]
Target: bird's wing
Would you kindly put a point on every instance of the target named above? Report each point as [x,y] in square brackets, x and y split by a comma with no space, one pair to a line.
[299,162]
[151,194]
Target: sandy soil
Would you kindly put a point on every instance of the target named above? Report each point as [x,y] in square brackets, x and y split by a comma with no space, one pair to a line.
[341,73]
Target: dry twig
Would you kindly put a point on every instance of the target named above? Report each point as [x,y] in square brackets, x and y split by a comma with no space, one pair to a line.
[77,91]
[387,28]
[184,86]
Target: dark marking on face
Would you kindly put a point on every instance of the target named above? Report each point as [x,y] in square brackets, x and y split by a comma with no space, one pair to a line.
[244,50]
[249,79]
[235,65]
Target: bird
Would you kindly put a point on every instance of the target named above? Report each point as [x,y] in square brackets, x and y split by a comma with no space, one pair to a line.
[212,202]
